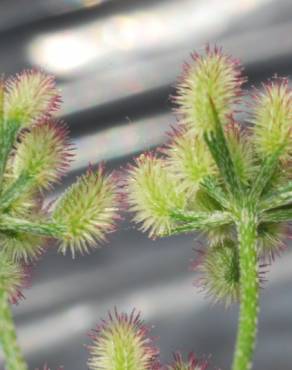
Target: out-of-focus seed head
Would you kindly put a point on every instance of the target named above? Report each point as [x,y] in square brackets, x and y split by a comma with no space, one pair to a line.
[272,118]
[270,238]
[153,193]
[192,363]
[43,154]
[87,211]
[219,273]
[13,277]
[30,97]
[189,160]
[213,76]
[122,342]
[21,247]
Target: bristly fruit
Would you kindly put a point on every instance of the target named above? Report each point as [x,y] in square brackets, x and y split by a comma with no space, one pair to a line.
[192,363]
[122,342]
[219,274]
[189,160]
[272,119]
[20,246]
[30,97]
[214,76]
[13,278]
[152,194]
[87,211]
[43,154]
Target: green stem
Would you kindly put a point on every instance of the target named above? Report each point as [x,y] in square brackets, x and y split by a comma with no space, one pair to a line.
[277,215]
[249,291]
[214,190]
[15,190]
[199,221]
[13,357]
[281,197]
[50,229]
[265,174]
[8,133]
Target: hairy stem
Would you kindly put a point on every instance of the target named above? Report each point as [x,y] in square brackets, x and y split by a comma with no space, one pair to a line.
[8,133]
[15,190]
[13,357]
[249,291]
[50,229]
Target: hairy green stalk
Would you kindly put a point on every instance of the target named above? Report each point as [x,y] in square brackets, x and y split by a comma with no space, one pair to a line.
[15,190]
[50,229]
[8,133]
[249,290]
[13,356]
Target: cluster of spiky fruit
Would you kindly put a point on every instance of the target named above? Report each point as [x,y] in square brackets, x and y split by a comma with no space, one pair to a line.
[34,153]
[213,163]
[230,181]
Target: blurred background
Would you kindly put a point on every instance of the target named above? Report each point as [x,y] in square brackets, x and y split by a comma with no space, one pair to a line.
[116,62]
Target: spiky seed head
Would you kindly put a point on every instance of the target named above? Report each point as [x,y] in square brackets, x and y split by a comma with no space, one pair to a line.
[29,97]
[21,247]
[122,342]
[153,193]
[272,118]
[219,272]
[13,277]
[241,151]
[192,363]
[189,160]
[212,77]
[43,153]
[270,239]
[87,211]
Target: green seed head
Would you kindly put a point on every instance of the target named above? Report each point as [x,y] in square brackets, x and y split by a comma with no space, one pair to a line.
[214,76]
[87,211]
[189,160]
[122,343]
[42,154]
[272,118]
[29,97]
[12,277]
[152,194]
[219,274]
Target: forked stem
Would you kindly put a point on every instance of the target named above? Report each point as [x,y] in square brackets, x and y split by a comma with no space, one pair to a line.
[249,291]
[14,359]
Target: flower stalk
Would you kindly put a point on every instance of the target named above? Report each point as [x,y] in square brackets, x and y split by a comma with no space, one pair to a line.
[13,356]
[249,290]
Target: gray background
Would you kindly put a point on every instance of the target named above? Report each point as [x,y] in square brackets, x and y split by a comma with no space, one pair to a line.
[116,63]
